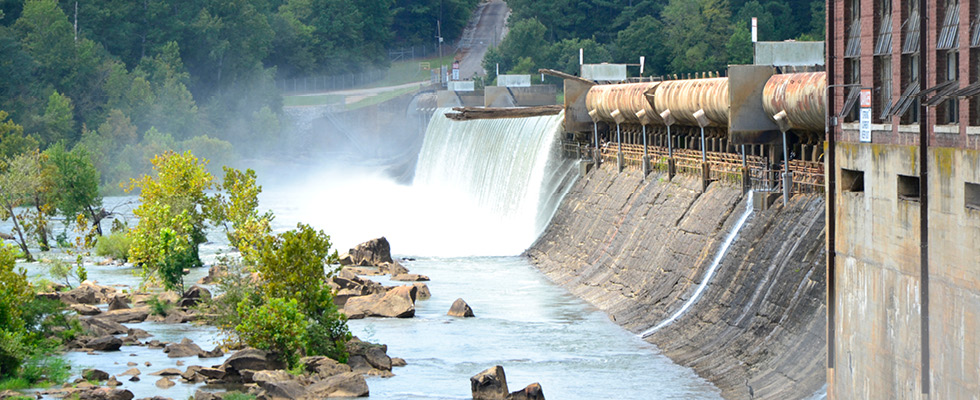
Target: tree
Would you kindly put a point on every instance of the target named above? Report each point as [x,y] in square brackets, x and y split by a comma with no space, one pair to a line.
[12,139]
[249,229]
[58,120]
[75,184]
[15,292]
[21,181]
[697,32]
[739,46]
[172,216]
[643,37]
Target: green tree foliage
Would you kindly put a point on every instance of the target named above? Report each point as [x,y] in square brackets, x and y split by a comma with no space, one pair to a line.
[75,184]
[15,291]
[249,229]
[277,325]
[643,37]
[23,184]
[705,50]
[57,123]
[172,216]
[12,138]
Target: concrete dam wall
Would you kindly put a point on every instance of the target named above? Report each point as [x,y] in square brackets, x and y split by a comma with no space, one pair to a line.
[638,249]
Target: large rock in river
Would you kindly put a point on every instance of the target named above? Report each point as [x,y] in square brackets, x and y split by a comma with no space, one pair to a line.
[531,392]
[372,252]
[489,385]
[105,343]
[186,348]
[348,384]
[460,309]
[253,359]
[399,302]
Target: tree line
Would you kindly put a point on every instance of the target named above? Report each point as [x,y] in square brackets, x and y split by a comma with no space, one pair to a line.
[675,36]
[128,79]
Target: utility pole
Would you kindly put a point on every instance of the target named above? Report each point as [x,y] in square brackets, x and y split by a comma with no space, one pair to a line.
[439,36]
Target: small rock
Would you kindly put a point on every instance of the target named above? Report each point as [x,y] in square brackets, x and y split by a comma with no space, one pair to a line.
[102,327]
[178,317]
[393,268]
[410,278]
[131,371]
[94,375]
[134,379]
[180,363]
[214,273]
[105,343]
[147,364]
[202,395]
[490,384]
[460,309]
[345,259]
[253,359]
[531,392]
[131,364]
[126,316]
[165,383]
[399,302]
[106,394]
[138,333]
[398,362]
[112,382]
[194,295]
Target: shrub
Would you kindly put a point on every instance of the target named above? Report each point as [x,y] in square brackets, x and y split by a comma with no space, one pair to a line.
[159,307]
[278,325]
[235,285]
[115,245]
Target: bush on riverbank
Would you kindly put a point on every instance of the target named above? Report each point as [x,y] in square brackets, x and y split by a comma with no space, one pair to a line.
[115,245]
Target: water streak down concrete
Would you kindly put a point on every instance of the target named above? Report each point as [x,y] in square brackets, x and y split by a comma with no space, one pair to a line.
[637,249]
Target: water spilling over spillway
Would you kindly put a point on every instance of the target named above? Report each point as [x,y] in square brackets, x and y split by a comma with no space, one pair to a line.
[510,168]
[481,188]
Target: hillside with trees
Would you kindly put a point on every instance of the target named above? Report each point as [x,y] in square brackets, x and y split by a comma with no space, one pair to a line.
[126,80]
[675,36]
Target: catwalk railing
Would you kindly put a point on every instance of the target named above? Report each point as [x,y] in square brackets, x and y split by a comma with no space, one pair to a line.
[808,176]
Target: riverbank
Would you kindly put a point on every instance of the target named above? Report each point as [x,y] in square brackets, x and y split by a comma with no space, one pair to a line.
[637,249]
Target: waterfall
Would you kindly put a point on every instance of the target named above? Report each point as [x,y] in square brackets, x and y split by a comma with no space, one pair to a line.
[510,171]
[711,270]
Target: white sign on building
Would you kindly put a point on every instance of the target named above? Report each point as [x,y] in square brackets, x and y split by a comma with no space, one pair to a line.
[865,116]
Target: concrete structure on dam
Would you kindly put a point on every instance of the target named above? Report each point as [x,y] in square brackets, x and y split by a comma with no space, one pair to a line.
[904,174]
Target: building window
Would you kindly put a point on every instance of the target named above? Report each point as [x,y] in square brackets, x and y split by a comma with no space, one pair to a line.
[972,195]
[883,14]
[907,106]
[949,110]
[883,76]
[851,180]
[852,73]
[949,37]
[910,41]
[908,187]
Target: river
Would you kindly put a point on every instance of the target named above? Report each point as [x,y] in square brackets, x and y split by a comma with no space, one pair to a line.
[462,223]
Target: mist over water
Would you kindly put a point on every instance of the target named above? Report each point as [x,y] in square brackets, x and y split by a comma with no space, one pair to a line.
[481,188]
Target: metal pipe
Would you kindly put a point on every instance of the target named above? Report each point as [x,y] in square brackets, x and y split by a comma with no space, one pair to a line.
[830,130]
[619,140]
[704,157]
[786,184]
[924,201]
[645,154]
[595,135]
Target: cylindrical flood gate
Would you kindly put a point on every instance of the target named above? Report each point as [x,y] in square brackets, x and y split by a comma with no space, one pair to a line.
[627,98]
[802,95]
[685,97]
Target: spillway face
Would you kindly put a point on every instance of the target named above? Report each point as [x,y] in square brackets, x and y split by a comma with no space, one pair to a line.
[639,249]
[511,169]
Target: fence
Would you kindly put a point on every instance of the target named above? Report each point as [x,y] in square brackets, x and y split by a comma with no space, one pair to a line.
[808,176]
[314,84]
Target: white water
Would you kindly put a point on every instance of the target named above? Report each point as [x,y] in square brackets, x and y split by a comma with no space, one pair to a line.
[482,188]
[711,270]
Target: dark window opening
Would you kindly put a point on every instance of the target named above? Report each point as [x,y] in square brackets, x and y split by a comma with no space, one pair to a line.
[851,180]
[972,198]
[908,187]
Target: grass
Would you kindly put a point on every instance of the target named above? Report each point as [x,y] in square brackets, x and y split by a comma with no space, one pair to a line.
[380,98]
[314,100]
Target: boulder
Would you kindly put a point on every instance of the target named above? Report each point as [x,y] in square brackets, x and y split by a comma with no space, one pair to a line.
[490,384]
[186,348]
[85,294]
[531,392]
[393,268]
[118,302]
[85,309]
[348,384]
[460,309]
[253,359]
[138,333]
[324,367]
[105,394]
[261,377]
[212,373]
[372,252]
[165,383]
[398,362]
[167,372]
[191,375]
[202,395]
[345,259]
[102,327]
[94,375]
[194,295]
[283,390]
[398,302]
[178,317]
[216,352]
[131,372]
[126,315]
[214,273]
[105,343]
[112,382]
[374,354]
[410,278]
[423,291]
